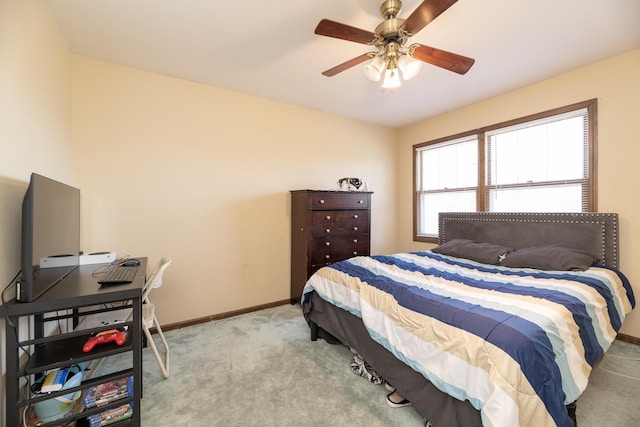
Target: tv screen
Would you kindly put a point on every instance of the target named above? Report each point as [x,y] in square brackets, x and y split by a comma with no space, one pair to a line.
[50,236]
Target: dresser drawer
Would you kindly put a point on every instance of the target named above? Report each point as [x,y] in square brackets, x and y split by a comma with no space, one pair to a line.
[333,250]
[339,223]
[339,200]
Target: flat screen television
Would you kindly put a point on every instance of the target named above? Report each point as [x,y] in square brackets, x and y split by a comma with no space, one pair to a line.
[50,236]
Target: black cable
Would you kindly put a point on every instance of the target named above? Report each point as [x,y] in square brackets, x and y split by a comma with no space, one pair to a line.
[105,267]
[101,270]
[13,325]
[6,314]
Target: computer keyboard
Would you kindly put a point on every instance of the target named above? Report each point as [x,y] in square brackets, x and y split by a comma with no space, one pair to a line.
[118,275]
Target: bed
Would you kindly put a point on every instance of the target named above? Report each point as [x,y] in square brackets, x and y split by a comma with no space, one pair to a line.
[471,342]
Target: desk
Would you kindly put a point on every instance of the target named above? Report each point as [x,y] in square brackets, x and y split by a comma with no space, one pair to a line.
[77,295]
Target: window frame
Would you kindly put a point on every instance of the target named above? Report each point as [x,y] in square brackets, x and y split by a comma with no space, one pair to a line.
[481,190]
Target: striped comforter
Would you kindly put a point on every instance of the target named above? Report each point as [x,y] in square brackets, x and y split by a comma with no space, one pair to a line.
[519,344]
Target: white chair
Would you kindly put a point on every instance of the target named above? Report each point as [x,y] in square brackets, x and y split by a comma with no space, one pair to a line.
[149,318]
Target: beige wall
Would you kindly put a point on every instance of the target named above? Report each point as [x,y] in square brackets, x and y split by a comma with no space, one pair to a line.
[169,167]
[35,94]
[616,85]
[35,121]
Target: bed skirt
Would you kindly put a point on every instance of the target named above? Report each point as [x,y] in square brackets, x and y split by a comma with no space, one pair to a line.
[439,408]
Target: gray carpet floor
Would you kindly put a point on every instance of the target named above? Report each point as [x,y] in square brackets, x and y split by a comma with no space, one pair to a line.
[261,369]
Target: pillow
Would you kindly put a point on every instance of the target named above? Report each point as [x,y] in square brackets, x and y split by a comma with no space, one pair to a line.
[486,253]
[551,257]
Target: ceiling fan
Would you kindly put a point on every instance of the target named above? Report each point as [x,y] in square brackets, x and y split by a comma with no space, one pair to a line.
[389,40]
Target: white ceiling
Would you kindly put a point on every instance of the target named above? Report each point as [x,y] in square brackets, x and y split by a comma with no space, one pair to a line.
[269,49]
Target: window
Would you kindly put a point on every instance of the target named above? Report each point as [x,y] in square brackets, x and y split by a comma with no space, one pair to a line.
[540,163]
[447,179]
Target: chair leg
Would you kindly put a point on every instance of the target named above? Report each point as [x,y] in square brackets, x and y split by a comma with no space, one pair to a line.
[166,346]
[164,366]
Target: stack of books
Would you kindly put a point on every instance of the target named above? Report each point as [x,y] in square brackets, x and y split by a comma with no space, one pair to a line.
[109,392]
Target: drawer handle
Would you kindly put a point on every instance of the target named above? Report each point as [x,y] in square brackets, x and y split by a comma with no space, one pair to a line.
[355,240]
[355,253]
[355,228]
[328,217]
[360,201]
[327,243]
[328,230]
[355,216]
[327,256]
[322,201]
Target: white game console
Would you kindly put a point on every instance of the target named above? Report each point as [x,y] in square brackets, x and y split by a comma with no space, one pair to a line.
[58,261]
[98,258]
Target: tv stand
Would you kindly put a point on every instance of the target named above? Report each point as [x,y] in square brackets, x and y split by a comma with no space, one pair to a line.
[75,297]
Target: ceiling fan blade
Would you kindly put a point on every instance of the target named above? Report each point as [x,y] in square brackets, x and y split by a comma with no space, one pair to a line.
[425,13]
[441,58]
[329,28]
[346,65]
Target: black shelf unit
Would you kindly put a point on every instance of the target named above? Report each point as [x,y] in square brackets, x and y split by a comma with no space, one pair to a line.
[78,295]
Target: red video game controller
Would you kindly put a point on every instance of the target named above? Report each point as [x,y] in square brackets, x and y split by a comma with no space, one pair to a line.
[117,335]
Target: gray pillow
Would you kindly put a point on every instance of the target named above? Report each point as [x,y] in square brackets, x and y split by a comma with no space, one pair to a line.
[486,253]
[551,257]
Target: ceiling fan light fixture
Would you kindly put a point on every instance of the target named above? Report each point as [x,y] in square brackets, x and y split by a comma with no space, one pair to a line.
[409,66]
[391,79]
[393,59]
[373,70]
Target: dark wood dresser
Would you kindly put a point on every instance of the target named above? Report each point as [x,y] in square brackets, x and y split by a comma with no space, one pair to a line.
[326,227]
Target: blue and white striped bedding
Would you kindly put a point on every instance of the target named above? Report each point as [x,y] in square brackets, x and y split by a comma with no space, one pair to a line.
[519,344]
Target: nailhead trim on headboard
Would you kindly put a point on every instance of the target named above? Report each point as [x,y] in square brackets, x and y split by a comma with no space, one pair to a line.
[605,224]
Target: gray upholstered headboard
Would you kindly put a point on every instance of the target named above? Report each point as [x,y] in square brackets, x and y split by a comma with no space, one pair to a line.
[596,233]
